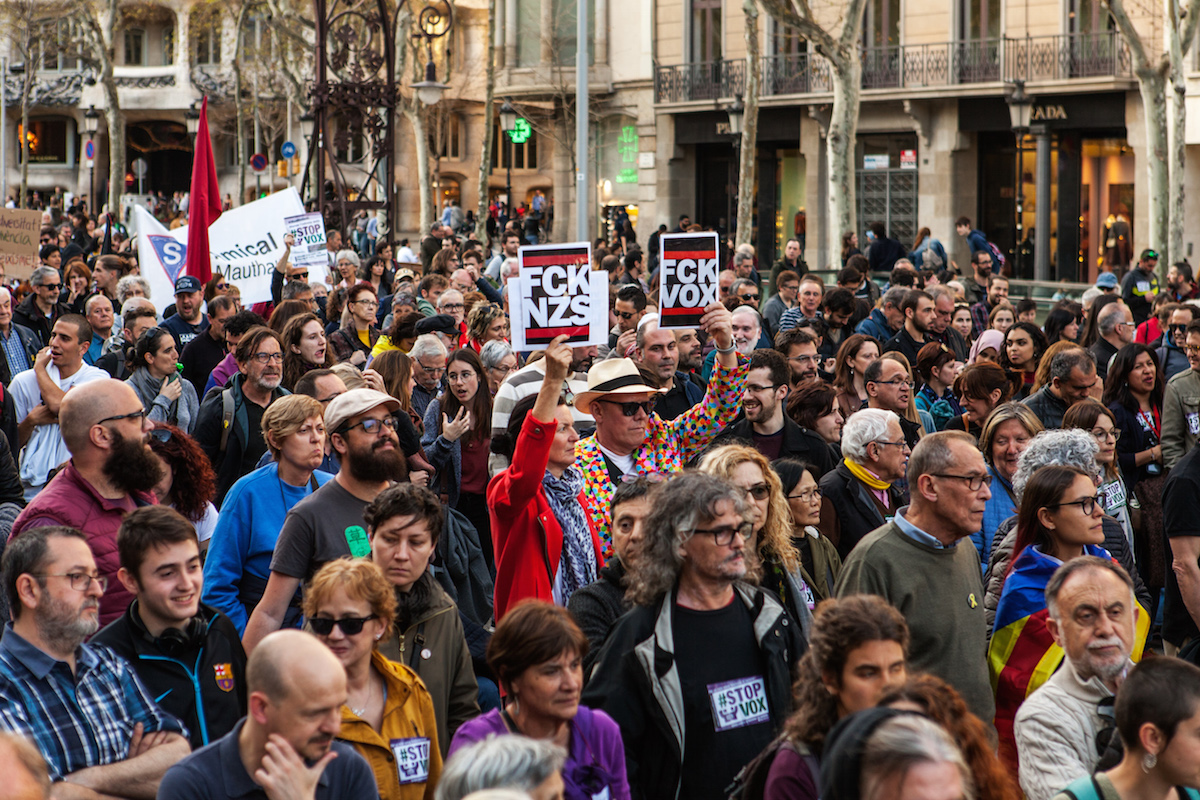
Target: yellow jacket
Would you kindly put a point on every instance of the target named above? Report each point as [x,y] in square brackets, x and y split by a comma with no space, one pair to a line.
[407,715]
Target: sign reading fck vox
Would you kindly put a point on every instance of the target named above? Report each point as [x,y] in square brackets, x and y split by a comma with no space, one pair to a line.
[555,292]
[688,278]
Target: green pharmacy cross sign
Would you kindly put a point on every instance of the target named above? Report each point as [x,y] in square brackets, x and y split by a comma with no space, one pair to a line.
[521,132]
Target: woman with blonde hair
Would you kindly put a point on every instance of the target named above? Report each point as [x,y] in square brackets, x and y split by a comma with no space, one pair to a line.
[486,322]
[388,714]
[771,538]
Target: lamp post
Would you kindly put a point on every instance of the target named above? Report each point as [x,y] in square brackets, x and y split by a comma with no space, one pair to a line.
[737,113]
[91,121]
[508,124]
[1020,107]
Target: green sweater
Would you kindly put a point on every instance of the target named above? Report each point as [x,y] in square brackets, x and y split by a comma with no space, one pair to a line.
[940,594]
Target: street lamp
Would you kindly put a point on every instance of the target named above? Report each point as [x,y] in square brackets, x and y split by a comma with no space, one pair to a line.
[1020,108]
[508,123]
[91,121]
[737,112]
[192,118]
[430,90]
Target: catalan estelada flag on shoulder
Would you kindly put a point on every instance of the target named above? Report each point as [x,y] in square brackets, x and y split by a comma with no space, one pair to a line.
[1022,654]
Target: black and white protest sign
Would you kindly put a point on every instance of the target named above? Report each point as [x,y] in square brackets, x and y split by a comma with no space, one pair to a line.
[687,276]
[555,292]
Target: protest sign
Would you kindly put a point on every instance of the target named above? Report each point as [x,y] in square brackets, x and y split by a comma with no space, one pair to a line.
[687,275]
[19,229]
[246,244]
[308,230]
[555,292]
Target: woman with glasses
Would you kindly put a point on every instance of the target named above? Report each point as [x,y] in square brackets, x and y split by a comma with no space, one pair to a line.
[537,654]
[499,361]
[347,264]
[545,545]
[981,387]
[239,555]
[458,438]
[163,392]
[938,367]
[358,334]
[1007,432]
[857,652]
[487,322]
[188,483]
[850,363]
[216,285]
[1024,346]
[388,714]
[1060,519]
[770,538]
[1090,415]
[1157,716]
[820,563]
[304,348]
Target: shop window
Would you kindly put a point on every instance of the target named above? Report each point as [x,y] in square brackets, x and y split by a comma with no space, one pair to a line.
[47,141]
[706,31]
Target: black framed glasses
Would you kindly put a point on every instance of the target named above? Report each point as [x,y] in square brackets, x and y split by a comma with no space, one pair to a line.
[806,497]
[630,409]
[1114,434]
[351,626]
[895,382]
[372,426]
[80,581]
[754,387]
[625,314]
[267,358]
[53,286]
[759,491]
[974,482]
[139,414]
[1086,504]
[723,536]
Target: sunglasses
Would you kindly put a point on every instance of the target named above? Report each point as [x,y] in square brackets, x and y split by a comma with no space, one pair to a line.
[759,491]
[351,626]
[625,314]
[631,409]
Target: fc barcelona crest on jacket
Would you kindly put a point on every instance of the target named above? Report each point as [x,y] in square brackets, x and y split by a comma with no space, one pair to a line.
[224,676]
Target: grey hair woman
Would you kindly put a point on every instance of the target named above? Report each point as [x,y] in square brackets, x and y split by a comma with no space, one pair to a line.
[504,762]
[499,361]
[907,744]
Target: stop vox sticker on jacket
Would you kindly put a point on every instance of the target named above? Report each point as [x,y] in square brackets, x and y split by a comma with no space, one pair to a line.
[412,759]
[556,292]
[687,278]
[738,703]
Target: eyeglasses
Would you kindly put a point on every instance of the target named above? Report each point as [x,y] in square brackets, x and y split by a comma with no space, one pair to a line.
[901,444]
[723,536]
[803,359]
[649,477]
[453,307]
[807,497]
[974,482]
[371,426]
[222,287]
[351,626]
[54,286]
[759,491]
[754,387]
[626,314]
[327,400]
[501,370]
[80,581]
[1191,349]
[301,275]
[1087,504]
[1101,435]
[139,414]
[631,409]
[895,382]
[266,358]
[749,296]
[430,370]
[367,303]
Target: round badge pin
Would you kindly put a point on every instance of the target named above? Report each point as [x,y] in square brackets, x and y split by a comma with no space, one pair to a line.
[426,654]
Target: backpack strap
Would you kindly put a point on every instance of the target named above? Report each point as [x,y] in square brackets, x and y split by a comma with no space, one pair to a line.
[226,417]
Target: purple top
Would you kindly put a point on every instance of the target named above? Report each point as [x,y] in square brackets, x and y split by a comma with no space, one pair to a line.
[595,758]
[790,778]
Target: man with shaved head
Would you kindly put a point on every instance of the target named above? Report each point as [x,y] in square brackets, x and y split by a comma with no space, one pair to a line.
[38,395]
[285,747]
[111,472]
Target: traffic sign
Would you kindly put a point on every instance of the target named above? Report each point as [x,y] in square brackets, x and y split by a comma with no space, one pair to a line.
[89,149]
[521,132]
[140,167]
[258,162]
[287,150]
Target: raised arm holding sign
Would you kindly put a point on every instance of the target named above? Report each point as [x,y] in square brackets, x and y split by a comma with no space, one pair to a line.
[556,293]
[687,278]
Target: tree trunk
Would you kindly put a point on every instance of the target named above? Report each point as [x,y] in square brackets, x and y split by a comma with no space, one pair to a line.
[485,152]
[424,184]
[747,177]
[1152,85]
[843,125]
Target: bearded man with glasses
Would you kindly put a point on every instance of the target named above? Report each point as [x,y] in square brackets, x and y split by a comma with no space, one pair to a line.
[730,649]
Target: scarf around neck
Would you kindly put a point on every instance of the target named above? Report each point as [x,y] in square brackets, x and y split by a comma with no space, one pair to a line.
[864,475]
[578,567]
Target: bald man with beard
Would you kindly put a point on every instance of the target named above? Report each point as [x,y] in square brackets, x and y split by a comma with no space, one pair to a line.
[111,472]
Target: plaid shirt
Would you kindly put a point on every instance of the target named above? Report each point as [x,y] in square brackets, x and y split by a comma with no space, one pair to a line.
[979,318]
[76,721]
[669,444]
[14,351]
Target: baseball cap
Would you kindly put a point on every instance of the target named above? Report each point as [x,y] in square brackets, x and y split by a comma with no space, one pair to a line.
[1148,253]
[1106,281]
[354,402]
[187,283]
[405,274]
[438,323]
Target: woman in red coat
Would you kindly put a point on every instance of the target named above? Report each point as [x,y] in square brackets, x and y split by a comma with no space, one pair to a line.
[545,545]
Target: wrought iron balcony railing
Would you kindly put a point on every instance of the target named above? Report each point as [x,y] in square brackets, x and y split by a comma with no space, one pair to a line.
[1032,59]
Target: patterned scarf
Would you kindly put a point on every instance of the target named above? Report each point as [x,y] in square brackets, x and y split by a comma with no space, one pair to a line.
[578,566]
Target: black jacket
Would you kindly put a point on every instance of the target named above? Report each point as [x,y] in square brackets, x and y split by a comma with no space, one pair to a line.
[686,391]
[211,669]
[857,514]
[904,343]
[798,443]
[28,314]
[597,607]
[636,682]
[1048,407]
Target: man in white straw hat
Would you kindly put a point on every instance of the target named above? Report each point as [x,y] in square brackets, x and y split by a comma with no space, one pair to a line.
[631,439]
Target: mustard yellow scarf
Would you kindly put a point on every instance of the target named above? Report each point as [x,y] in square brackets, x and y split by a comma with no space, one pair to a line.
[861,472]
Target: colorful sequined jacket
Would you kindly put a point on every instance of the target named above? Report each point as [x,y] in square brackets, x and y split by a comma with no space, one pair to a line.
[669,444]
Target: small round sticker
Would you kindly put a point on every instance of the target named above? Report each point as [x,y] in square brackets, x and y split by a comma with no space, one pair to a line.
[426,654]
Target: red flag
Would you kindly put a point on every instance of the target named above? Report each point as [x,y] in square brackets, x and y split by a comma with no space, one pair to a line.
[204,204]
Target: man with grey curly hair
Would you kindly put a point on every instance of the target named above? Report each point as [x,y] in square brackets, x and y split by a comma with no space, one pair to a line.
[1064,448]
[532,766]
[704,651]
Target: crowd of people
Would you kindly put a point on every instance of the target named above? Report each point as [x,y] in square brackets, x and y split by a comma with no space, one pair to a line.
[887,537]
